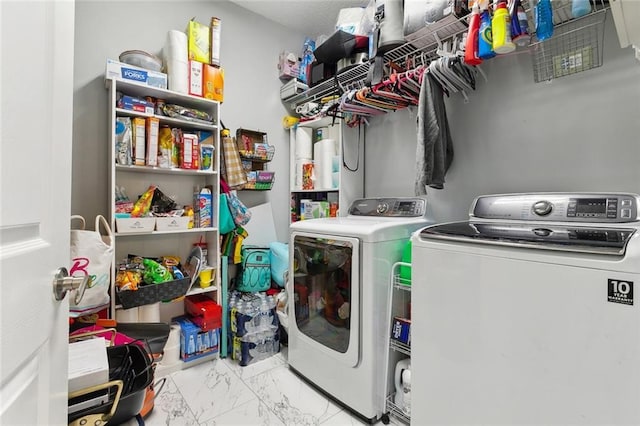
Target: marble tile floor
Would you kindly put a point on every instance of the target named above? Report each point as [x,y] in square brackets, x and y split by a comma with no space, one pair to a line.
[220,392]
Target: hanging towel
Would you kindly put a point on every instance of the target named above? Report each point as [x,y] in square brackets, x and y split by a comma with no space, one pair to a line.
[232,172]
[434,150]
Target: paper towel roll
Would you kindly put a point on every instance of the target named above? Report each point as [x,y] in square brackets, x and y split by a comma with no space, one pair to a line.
[298,172]
[304,142]
[178,76]
[176,60]
[323,153]
[175,46]
[149,313]
[174,336]
[127,315]
[171,355]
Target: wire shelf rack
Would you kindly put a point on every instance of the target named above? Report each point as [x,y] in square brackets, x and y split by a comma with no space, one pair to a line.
[576,45]
[396,411]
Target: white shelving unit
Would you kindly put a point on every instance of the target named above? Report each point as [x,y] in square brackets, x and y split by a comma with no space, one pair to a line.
[178,184]
[351,166]
[399,302]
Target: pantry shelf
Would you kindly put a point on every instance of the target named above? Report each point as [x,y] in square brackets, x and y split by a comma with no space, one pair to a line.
[181,231]
[164,171]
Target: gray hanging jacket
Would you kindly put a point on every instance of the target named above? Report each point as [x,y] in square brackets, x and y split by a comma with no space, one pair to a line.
[434,150]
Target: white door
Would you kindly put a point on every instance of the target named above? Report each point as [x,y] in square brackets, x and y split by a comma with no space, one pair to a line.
[36,87]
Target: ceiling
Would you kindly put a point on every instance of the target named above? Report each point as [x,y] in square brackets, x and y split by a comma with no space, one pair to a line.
[311,17]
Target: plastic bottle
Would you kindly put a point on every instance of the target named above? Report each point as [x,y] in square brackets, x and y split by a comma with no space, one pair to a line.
[485,43]
[544,20]
[580,8]
[501,30]
[471,48]
[519,24]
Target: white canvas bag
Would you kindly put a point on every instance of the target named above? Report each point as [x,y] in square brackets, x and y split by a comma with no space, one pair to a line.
[91,255]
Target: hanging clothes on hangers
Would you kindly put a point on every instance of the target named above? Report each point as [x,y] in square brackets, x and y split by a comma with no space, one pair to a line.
[434,149]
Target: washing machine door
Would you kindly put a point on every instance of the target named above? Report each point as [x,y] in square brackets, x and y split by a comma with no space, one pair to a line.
[324,312]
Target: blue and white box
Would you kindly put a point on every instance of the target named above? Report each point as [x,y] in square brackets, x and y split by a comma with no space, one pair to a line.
[126,72]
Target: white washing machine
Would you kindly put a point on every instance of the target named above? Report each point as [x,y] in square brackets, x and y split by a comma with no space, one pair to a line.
[525,314]
[338,321]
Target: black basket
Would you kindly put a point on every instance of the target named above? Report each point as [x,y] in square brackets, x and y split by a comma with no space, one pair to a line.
[152,293]
[130,363]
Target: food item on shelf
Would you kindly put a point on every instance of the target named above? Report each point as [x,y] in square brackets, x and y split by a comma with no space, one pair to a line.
[184,113]
[155,273]
[143,205]
[165,148]
[123,141]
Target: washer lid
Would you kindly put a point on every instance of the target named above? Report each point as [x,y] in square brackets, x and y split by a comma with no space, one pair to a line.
[582,239]
[368,229]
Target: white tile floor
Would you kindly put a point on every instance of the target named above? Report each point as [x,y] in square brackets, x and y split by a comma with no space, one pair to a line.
[220,392]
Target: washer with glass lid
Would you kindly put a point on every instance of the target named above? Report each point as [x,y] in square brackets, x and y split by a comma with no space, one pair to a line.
[526,312]
[338,294]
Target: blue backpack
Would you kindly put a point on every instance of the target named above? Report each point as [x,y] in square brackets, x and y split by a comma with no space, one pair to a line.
[255,270]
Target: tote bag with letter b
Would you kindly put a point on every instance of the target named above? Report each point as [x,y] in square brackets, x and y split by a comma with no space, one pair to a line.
[91,255]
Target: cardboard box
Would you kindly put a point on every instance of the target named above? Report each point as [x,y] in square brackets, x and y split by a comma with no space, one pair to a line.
[126,72]
[88,364]
[195,343]
[214,44]
[138,125]
[213,83]
[195,78]
[190,152]
[401,330]
[133,225]
[172,223]
[152,130]
[198,42]
[135,104]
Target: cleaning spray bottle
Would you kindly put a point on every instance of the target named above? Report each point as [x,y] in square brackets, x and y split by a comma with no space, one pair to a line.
[471,47]
[485,43]
[544,20]
[519,24]
[501,30]
[580,8]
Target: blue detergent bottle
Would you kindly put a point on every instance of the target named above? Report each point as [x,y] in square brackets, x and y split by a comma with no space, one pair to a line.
[544,20]
[485,38]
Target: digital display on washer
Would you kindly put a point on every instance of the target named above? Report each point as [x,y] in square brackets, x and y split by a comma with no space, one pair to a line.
[405,206]
[591,206]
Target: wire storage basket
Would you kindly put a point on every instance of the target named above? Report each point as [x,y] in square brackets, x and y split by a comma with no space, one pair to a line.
[576,45]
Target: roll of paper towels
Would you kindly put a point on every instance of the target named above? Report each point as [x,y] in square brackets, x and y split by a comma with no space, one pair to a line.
[323,153]
[149,313]
[304,142]
[178,76]
[176,60]
[127,315]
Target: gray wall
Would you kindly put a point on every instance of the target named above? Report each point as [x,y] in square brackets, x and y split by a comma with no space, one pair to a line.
[576,133]
[249,55]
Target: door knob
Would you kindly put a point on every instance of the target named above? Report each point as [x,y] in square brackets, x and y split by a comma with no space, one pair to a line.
[62,283]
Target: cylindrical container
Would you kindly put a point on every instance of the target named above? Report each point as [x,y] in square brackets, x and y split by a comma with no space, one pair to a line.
[206,277]
[580,8]
[127,315]
[544,20]
[485,39]
[176,59]
[149,313]
[471,48]
[391,27]
[299,172]
[501,30]
[304,143]
[519,24]
[206,156]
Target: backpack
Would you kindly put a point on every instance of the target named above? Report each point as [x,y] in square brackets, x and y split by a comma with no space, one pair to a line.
[255,270]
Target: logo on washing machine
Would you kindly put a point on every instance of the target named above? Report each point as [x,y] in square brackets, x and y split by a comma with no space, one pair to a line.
[620,292]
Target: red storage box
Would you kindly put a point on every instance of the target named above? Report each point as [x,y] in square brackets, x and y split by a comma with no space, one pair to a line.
[205,313]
